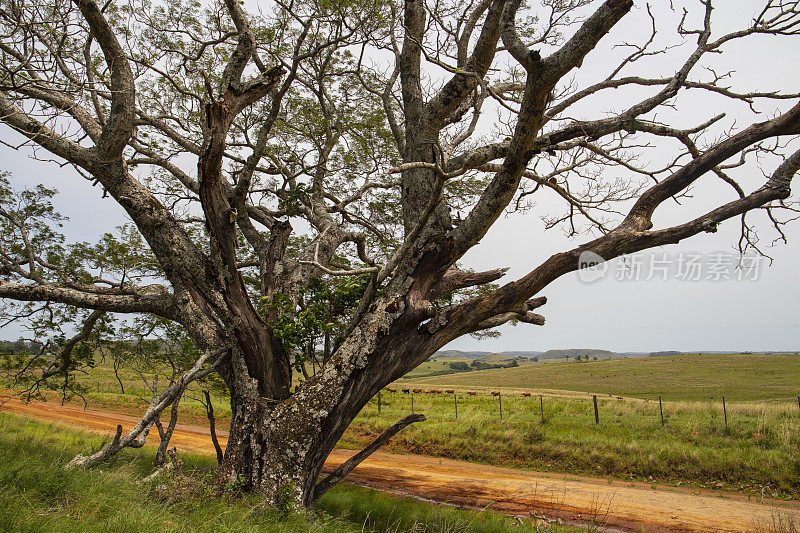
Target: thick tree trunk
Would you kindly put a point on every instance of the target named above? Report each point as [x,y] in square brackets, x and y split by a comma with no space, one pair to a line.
[272,451]
[278,448]
[266,453]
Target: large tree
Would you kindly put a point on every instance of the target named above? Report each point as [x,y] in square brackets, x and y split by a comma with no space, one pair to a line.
[307,181]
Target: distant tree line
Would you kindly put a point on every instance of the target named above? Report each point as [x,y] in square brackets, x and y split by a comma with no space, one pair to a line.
[463,366]
[19,346]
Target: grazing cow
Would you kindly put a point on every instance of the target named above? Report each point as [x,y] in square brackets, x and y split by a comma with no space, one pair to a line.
[471,393]
[417,391]
[391,390]
[526,393]
[406,391]
[495,393]
[450,391]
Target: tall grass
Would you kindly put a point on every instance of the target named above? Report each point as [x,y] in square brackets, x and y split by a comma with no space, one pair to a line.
[756,452]
[37,495]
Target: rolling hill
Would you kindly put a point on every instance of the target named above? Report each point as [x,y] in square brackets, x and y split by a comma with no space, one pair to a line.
[678,377]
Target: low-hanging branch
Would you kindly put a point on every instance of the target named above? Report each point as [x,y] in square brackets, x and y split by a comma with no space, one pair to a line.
[345,468]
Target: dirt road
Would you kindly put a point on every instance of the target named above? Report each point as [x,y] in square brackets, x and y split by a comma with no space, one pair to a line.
[618,505]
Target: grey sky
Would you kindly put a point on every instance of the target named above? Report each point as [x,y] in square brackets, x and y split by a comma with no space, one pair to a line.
[618,315]
[672,314]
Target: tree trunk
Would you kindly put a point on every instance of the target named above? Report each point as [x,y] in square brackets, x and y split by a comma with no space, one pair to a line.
[266,452]
[278,448]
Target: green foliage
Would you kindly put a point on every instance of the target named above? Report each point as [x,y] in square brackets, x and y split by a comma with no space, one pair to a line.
[28,225]
[327,303]
[124,257]
[480,365]
[463,366]
[292,201]
[20,346]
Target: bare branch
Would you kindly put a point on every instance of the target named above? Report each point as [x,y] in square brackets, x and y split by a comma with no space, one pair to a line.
[348,466]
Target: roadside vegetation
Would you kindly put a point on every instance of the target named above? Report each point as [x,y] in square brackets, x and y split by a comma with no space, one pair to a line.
[756,452]
[36,495]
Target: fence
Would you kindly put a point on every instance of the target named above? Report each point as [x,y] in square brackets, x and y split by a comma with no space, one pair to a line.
[444,404]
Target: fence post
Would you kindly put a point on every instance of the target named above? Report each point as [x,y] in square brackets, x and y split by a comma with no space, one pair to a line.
[798,402]
[500,399]
[541,406]
[455,401]
[724,411]
[596,413]
[412,402]
[379,402]
[661,410]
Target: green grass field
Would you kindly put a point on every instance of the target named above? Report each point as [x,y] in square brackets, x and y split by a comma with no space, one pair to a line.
[755,453]
[429,367]
[677,377]
[37,495]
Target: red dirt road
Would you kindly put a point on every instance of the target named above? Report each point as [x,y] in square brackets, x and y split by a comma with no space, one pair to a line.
[581,499]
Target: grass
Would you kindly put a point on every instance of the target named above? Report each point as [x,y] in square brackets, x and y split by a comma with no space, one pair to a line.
[36,495]
[756,453]
[678,377]
[435,366]
[441,364]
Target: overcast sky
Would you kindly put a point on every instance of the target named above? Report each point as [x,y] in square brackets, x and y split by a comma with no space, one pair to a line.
[758,312]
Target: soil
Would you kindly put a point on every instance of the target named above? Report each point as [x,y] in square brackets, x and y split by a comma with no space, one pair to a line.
[609,505]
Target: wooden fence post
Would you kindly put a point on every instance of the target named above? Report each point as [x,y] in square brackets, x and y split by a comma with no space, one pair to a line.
[724,411]
[661,410]
[379,402]
[596,413]
[541,406]
[455,401]
[500,399]
[412,402]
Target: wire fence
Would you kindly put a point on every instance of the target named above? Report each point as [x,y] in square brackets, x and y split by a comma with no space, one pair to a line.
[597,409]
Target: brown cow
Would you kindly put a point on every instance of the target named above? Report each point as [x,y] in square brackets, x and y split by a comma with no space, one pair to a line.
[526,393]
[495,393]
[450,391]
[417,391]
[472,393]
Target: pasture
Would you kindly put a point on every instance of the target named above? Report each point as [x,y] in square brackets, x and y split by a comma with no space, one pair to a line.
[739,377]
[754,453]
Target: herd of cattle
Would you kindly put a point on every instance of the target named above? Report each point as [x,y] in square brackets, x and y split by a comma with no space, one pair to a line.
[446,391]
